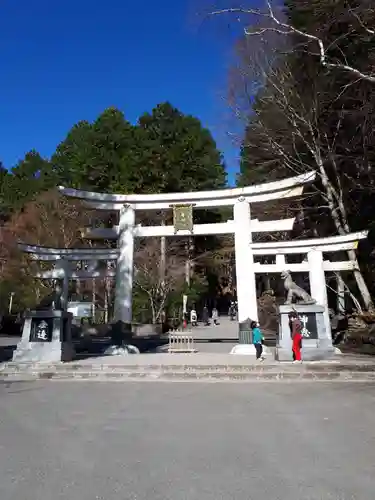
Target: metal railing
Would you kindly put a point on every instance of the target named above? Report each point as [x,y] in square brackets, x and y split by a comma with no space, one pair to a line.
[181,341]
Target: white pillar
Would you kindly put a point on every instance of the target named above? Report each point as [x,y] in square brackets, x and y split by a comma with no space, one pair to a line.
[282,266]
[124,269]
[281,262]
[340,294]
[318,287]
[245,275]
[65,267]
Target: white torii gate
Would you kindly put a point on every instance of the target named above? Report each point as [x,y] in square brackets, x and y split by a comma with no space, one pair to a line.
[242,226]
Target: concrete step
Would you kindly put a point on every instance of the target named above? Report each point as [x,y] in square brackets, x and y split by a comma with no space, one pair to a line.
[172,371]
[331,376]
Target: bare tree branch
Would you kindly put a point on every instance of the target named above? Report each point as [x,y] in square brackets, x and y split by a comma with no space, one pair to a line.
[362,24]
[286,29]
[291,130]
[149,278]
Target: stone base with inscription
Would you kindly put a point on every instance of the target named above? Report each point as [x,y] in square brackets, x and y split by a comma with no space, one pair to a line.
[316,341]
[46,337]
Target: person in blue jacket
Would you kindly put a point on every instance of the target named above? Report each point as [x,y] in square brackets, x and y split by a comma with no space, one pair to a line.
[257,340]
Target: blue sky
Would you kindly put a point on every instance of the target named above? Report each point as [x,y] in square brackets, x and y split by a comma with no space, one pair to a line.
[64,60]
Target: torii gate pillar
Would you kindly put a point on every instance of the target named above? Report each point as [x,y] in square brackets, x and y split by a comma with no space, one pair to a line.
[245,273]
[124,269]
[318,287]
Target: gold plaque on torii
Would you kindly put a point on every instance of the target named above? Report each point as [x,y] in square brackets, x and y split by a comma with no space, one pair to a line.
[183,218]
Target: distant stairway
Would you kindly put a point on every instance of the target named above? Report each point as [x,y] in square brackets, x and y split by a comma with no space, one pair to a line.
[225,331]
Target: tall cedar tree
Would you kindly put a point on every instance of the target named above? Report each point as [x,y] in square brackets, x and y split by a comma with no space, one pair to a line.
[165,151]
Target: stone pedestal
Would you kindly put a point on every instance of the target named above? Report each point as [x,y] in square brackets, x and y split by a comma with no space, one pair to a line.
[245,333]
[46,338]
[121,333]
[316,342]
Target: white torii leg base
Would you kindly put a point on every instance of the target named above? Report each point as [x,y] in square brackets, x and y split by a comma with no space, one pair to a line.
[248,350]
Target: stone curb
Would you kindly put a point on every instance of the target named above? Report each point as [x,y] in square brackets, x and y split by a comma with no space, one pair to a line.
[61,368]
[188,376]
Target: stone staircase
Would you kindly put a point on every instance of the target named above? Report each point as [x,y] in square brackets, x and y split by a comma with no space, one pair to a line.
[191,368]
[226,330]
[215,338]
[222,337]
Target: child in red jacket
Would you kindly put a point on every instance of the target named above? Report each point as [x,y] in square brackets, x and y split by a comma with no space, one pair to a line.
[296,327]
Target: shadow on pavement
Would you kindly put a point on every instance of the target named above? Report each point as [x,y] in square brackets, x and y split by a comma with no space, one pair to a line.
[91,347]
[87,347]
[6,352]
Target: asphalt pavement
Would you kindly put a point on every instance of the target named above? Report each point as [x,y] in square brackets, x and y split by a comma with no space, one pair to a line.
[180,441]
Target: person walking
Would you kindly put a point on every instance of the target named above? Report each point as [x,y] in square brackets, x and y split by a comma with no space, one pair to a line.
[206,316]
[296,331]
[257,340]
[215,316]
[193,317]
[232,311]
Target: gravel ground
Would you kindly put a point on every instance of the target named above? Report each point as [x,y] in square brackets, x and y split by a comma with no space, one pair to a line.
[87,441]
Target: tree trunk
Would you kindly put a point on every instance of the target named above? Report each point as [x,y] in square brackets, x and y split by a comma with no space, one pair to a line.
[340,220]
[162,258]
[106,300]
[153,311]
[163,248]
[366,296]
[93,299]
[191,254]
[340,289]
[187,271]
[188,263]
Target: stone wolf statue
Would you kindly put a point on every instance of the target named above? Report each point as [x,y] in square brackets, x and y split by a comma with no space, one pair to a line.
[294,291]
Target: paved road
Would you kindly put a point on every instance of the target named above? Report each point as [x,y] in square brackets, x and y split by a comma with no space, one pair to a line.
[160,441]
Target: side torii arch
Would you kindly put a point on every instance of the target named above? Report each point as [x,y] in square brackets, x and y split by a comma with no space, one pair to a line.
[312,250]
